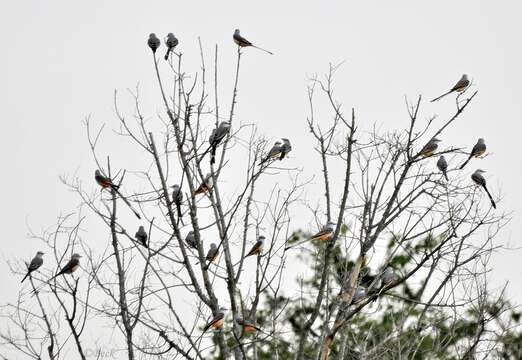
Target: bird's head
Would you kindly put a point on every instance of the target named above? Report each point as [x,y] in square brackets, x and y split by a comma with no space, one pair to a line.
[436,140]
[481,141]
[465,77]
[236,32]
[152,36]
[213,246]
[261,238]
[40,253]
[76,256]
[480,171]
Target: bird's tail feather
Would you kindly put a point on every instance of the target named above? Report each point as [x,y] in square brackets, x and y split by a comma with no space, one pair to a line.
[257,47]
[440,97]
[490,198]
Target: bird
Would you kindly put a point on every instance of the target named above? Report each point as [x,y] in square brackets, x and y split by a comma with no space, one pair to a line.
[258,246]
[459,87]
[478,149]
[430,147]
[177,198]
[387,276]
[205,185]
[247,326]
[274,153]
[171,42]
[324,234]
[217,135]
[359,294]
[190,239]
[285,148]
[71,266]
[153,42]
[242,42]
[212,253]
[481,181]
[442,165]
[141,236]
[106,183]
[217,321]
[34,265]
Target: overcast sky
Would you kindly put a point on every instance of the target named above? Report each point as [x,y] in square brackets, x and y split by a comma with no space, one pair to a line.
[62,60]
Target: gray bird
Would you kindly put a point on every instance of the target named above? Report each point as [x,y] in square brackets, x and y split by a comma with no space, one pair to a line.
[359,294]
[285,148]
[153,42]
[242,42]
[70,267]
[478,149]
[177,198]
[141,236]
[212,253]
[171,42]
[481,181]
[430,147]
[274,152]
[216,137]
[247,326]
[258,246]
[107,183]
[35,264]
[459,87]
[388,276]
[190,239]
[442,165]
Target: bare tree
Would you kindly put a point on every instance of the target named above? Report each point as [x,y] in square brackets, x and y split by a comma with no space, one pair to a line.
[164,291]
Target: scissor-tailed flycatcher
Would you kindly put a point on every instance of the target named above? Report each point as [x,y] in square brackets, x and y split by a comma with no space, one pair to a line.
[478,149]
[274,152]
[212,253]
[217,321]
[171,42]
[324,234]
[285,148]
[459,87]
[442,165]
[205,185]
[430,147]
[190,239]
[247,326]
[141,236]
[153,42]
[70,267]
[106,183]
[177,198]
[388,276]
[258,246]
[216,137]
[242,42]
[359,294]
[481,181]
[35,264]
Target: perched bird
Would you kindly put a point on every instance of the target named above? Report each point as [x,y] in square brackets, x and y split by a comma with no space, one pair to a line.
[359,294]
[242,42]
[205,185]
[177,198]
[216,137]
[285,148]
[481,181]
[34,265]
[459,87]
[258,246]
[70,267]
[217,321]
[212,253]
[141,236]
[388,276]
[274,153]
[171,42]
[324,234]
[478,149]
[153,42]
[190,239]
[442,165]
[430,147]
[106,183]
[248,327]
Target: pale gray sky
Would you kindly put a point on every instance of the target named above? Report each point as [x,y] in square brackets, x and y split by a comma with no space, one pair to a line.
[62,60]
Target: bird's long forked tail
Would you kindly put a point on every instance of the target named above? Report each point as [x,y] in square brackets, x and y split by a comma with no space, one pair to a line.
[465,162]
[445,173]
[167,54]
[257,47]
[127,202]
[213,154]
[440,97]
[490,197]
[25,277]
[297,244]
